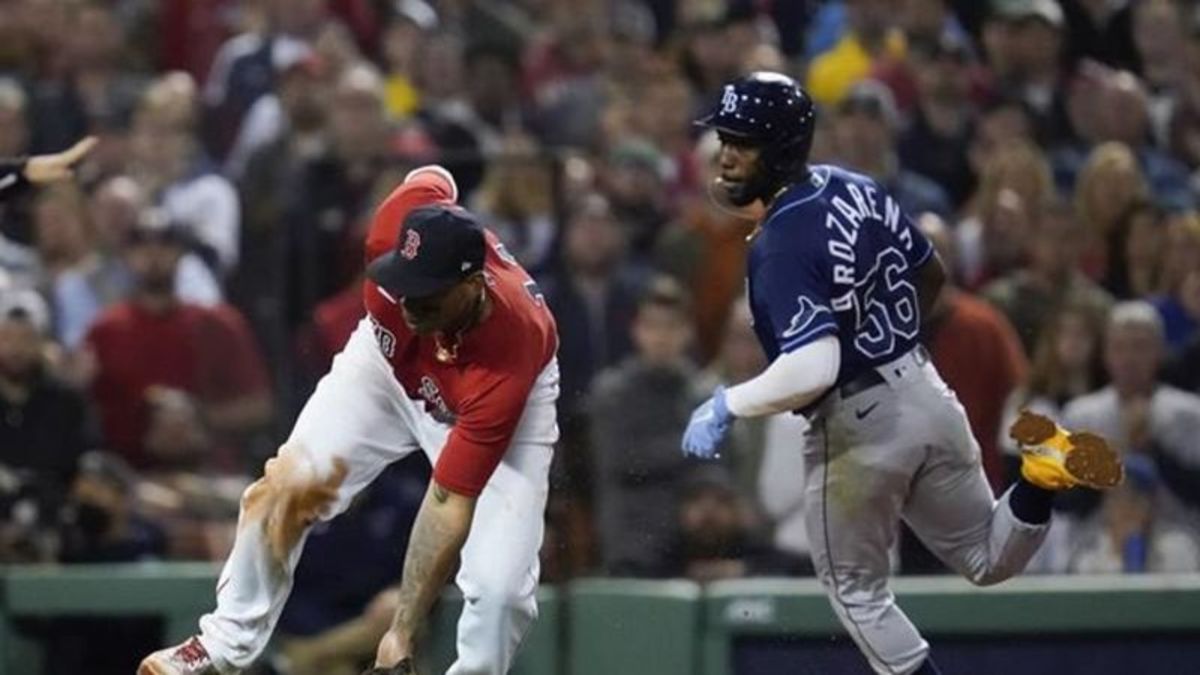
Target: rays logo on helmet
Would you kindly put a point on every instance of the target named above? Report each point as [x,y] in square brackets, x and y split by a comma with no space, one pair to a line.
[729,100]
[412,244]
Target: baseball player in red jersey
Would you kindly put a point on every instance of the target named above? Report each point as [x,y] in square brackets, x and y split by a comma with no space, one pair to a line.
[456,357]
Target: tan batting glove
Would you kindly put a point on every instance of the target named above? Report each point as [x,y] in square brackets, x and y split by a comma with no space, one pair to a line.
[42,169]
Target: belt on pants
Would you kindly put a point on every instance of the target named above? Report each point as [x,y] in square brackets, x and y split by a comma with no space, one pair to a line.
[871,377]
[865,380]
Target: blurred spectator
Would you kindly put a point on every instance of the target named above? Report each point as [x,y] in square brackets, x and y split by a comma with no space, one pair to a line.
[1183,126]
[15,220]
[1106,189]
[638,411]
[1066,365]
[593,295]
[926,25]
[1113,106]
[177,385]
[1014,186]
[1002,123]
[1136,252]
[865,130]
[62,233]
[634,181]
[471,120]
[191,33]
[937,139]
[516,200]
[44,424]
[169,165]
[295,101]
[563,77]
[1024,42]
[327,197]
[1159,30]
[1031,296]
[1131,534]
[1101,30]
[1141,415]
[976,351]
[871,37]
[102,278]
[705,248]
[708,59]
[245,66]
[1179,302]
[101,523]
[96,91]
[403,45]
[717,537]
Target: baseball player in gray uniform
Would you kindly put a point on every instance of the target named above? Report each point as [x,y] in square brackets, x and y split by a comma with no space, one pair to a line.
[838,279]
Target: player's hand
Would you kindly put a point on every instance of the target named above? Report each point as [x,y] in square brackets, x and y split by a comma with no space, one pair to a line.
[42,169]
[708,426]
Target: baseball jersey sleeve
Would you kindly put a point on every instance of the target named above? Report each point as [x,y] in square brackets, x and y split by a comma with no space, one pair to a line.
[484,428]
[795,294]
[915,245]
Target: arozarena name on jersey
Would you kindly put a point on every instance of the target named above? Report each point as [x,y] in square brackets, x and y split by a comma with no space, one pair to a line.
[884,303]
[845,229]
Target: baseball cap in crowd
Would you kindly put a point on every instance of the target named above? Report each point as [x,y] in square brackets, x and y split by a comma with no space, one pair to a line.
[419,12]
[155,225]
[438,246]
[1019,10]
[24,304]
[873,98]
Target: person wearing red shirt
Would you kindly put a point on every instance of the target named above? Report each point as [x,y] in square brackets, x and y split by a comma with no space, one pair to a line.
[177,385]
[456,357]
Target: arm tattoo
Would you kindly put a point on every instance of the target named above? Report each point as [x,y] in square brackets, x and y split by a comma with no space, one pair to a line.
[437,538]
[440,493]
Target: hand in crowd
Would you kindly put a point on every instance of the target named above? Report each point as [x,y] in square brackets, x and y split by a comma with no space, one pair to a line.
[43,169]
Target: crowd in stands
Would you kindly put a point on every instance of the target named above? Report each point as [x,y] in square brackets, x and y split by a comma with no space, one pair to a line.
[163,316]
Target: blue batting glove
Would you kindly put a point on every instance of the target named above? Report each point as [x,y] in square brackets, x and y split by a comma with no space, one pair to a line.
[708,426]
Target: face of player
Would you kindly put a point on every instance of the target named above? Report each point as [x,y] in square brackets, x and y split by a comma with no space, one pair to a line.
[740,177]
[448,311]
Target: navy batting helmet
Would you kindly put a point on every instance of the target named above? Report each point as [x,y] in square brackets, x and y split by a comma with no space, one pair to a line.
[770,111]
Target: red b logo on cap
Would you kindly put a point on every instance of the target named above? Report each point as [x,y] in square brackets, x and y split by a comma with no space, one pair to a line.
[412,242]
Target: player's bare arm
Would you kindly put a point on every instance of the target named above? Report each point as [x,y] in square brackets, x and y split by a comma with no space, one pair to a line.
[438,535]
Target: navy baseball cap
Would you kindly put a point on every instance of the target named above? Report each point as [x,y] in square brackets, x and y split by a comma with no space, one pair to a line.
[438,247]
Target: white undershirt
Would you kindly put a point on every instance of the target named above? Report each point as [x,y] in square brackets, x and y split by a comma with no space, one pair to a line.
[793,381]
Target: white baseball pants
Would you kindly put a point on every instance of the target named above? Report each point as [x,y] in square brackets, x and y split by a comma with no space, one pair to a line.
[360,418]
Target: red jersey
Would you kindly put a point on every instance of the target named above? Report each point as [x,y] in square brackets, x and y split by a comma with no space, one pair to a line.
[208,352]
[482,392]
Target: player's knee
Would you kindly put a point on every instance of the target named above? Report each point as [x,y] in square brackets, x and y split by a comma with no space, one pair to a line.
[293,493]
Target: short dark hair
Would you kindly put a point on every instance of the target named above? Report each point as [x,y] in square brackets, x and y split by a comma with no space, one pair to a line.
[665,292]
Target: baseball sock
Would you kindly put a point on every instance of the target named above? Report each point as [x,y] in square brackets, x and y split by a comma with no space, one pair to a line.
[927,668]
[1030,503]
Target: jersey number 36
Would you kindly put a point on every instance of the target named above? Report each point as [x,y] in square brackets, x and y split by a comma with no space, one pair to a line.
[888,303]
